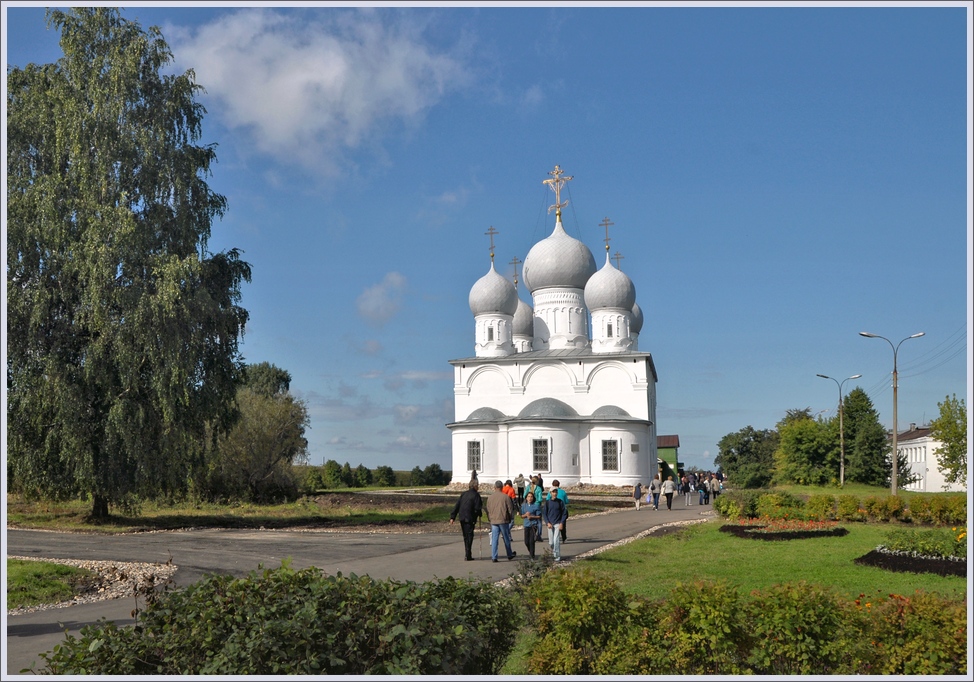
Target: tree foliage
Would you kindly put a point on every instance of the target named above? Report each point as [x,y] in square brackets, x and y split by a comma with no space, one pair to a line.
[747,456]
[254,460]
[267,379]
[384,476]
[867,444]
[808,450]
[123,328]
[950,428]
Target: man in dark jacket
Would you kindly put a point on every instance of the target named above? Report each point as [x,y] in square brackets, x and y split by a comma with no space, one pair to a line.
[469,509]
[554,513]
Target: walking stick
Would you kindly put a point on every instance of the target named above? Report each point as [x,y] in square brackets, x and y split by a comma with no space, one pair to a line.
[481,542]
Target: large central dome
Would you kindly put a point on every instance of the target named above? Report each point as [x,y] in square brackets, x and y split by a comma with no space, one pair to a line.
[558,261]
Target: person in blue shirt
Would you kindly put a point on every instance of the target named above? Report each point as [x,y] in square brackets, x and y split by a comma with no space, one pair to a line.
[531,515]
[554,512]
[563,496]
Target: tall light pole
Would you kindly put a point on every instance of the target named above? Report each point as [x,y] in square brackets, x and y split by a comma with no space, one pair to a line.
[893,481]
[841,431]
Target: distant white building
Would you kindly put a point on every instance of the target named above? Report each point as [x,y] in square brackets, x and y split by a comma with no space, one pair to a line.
[919,448]
[542,394]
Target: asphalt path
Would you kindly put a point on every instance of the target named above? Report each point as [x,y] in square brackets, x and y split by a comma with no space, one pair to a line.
[197,553]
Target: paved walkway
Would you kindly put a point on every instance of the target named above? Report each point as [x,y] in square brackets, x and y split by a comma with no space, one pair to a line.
[416,557]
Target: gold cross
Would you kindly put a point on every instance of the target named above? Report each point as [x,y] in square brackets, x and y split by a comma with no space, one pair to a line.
[605,223]
[556,183]
[618,257]
[491,232]
[515,263]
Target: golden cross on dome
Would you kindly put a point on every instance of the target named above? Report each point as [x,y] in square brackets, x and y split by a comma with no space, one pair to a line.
[605,223]
[491,232]
[556,182]
[618,257]
[515,263]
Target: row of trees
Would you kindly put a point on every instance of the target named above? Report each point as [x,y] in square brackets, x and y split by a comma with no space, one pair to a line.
[806,450]
[333,475]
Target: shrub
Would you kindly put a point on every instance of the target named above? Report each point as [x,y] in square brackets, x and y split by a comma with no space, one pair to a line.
[576,614]
[800,629]
[707,628]
[820,508]
[919,635]
[871,505]
[779,505]
[736,503]
[848,509]
[705,632]
[280,622]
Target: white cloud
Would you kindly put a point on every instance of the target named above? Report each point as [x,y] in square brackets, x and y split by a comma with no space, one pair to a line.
[532,97]
[380,302]
[308,91]
[406,413]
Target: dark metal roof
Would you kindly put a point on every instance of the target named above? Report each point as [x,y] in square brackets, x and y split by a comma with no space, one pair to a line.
[667,441]
[914,434]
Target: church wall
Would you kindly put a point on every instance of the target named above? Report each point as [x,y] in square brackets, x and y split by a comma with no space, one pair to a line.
[493,452]
[585,384]
[563,450]
[633,466]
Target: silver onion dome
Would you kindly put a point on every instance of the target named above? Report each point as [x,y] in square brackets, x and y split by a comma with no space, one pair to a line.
[558,261]
[493,294]
[610,288]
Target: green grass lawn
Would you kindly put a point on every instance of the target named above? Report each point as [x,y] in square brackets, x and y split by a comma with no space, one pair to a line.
[38,582]
[654,565]
[72,516]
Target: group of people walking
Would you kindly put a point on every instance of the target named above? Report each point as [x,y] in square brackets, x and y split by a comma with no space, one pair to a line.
[706,484]
[522,497]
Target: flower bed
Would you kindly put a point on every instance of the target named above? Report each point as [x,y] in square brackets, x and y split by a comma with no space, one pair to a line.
[906,562]
[783,529]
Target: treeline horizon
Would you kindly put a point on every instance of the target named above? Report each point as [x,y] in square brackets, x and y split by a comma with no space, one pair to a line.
[332,475]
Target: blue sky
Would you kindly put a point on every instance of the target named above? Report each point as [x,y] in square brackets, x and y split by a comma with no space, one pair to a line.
[779,179]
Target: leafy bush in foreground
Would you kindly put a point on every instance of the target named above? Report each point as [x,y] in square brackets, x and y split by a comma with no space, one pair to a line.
[588,625]
[282,621]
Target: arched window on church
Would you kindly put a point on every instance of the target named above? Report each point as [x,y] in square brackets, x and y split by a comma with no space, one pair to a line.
[540,459]
[610,455]
[608,330]
[473,455]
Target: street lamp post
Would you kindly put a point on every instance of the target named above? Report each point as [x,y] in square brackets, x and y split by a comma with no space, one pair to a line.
[841,431]
[893,481]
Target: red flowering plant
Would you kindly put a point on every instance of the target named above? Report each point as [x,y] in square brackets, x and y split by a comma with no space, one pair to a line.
[767,528]
[786,524]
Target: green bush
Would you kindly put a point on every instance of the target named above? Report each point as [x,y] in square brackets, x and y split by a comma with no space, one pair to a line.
[798,629]
[938,509]
[884,507]
[820,508]
[779,505]
[735,504]
[919,635]
[707,628]
[706,633]
[577,612]
[848,509]
[282,622]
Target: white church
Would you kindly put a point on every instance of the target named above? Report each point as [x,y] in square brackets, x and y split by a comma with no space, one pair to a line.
[559,388]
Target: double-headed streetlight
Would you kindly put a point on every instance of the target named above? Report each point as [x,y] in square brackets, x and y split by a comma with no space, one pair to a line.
[893,481]
[841,432]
